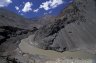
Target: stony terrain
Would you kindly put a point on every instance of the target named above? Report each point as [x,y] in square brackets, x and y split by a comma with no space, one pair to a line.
[74,29]
[67,38]
[13,28]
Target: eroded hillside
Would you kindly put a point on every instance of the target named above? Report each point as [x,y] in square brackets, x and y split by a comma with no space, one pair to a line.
[74,29]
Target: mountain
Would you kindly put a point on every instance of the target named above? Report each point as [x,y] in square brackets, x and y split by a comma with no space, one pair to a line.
[73,29]
[8,18]
[50,37]
[13,28]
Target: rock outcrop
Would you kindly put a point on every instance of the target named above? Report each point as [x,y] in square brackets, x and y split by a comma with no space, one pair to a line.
[73,29]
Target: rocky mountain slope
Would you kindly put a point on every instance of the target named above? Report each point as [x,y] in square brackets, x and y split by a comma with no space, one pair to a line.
[9,18]
[13,28]
[74,29]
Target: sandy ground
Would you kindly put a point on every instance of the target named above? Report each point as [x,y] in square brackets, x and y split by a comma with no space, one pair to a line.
[27,48]
[57,57]
[70,61]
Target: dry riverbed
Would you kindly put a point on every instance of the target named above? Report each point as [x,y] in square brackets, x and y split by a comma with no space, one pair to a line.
[72,56]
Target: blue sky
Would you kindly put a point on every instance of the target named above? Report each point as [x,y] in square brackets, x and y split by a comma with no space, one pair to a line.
[35,8]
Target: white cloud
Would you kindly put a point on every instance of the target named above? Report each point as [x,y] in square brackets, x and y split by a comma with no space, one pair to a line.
[71,1]
[36,10]
[51,4]
[45,13]
[27,7]
[19,11]
[22,14]
[55,3]
[9,1]
[5,2]
[45,5]
[50,12]
[17,8]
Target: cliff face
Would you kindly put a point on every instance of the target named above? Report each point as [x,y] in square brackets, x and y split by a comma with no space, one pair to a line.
[74,29]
